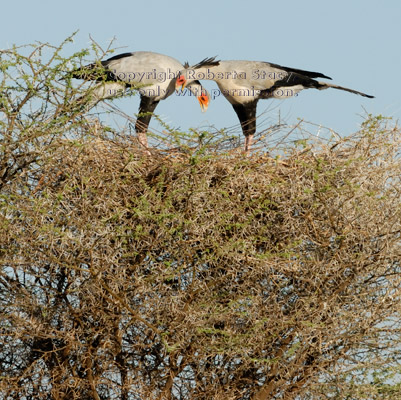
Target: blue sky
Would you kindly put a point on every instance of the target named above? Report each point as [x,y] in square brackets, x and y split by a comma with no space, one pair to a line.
[357,43]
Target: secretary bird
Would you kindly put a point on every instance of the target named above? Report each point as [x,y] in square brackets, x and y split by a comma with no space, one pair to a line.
[155,75]
[244,83]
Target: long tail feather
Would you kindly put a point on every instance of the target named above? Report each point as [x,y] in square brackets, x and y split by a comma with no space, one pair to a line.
[324,85]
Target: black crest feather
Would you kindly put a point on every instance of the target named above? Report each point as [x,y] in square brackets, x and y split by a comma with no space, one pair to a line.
[206,62]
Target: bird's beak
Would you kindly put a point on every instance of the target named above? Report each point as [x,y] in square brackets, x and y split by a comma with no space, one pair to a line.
[204,102]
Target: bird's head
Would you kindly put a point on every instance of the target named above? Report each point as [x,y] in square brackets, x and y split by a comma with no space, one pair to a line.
[200,92]
[204,100]
[181,82]
[196,89]
[187,76]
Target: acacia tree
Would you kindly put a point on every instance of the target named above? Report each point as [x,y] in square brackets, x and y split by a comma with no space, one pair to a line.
[194,275]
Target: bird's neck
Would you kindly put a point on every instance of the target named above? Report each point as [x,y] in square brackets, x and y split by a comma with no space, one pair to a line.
[225,74]
[211,73]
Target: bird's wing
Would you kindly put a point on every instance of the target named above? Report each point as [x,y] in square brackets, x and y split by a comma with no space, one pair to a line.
[262,75]
[303,72]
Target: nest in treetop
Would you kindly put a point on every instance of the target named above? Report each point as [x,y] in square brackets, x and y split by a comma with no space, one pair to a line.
[254,256]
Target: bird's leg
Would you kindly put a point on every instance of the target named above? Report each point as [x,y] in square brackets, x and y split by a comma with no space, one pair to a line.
[142,139]
[146,108]
[141,130]
[248,143]
[247,116]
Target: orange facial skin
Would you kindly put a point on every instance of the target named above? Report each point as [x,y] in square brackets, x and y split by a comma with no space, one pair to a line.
[204,102]
[180,82]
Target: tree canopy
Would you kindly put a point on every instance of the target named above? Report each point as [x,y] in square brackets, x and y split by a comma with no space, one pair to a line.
[190,274]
